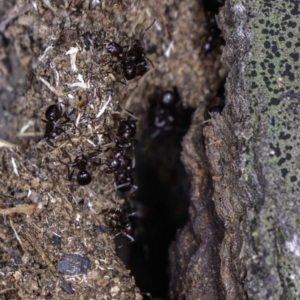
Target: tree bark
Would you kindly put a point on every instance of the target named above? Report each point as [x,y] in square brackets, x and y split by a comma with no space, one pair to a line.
[253,154]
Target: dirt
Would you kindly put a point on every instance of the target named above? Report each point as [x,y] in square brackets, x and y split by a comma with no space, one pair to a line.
[55,241]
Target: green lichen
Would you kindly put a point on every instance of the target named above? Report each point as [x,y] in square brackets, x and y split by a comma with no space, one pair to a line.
[271,155]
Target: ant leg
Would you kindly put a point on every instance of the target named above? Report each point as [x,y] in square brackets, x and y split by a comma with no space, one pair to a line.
[92,156]
[143,293]
[65,133]
[128,236]
[127,193]
[70,4]
[131,238]
[132,153]
[132,215]
[113,189]
[97,163]
[70,164]
[121,185]
[133,160]
[150,61]
[145,30]
[126,81]
[129,113]
[70,175]
[134,188]
[147,295]
[50,143]
[155,134]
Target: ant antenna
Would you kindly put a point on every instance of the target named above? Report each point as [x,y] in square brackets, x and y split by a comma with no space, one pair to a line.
[129,113]
[150,61]
[145,30]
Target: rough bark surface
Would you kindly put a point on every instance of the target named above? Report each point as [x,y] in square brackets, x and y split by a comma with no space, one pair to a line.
[195,255]
[258,164]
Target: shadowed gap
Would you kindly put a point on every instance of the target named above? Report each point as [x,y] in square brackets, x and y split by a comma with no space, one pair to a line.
[162,199]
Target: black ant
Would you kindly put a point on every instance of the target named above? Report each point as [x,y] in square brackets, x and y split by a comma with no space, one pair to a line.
[130,68]
[54,114]
[166,110]
[124,182]
[80,163]
[125,134]
[120,163]
[215,35]
[126,129]
[136,54]
[133,60]
[119,221]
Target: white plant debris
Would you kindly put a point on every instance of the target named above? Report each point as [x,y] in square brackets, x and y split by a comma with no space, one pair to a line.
[45,53]
[15,169]
[73,52]
[102,110]
[26,126]
[50,87]
[80,83]
[6,144]
[168,51]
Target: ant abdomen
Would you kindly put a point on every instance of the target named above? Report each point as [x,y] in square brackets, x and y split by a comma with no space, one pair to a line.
[53,112]
[83,177]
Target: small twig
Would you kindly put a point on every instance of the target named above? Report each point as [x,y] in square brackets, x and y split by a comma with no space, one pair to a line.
[29,134]
[50,87]
[27,209]
[6,290]
[15,232]
[7,144]
[67,200]
[42,253]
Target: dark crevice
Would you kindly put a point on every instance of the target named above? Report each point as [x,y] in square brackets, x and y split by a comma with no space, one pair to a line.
[161,201]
